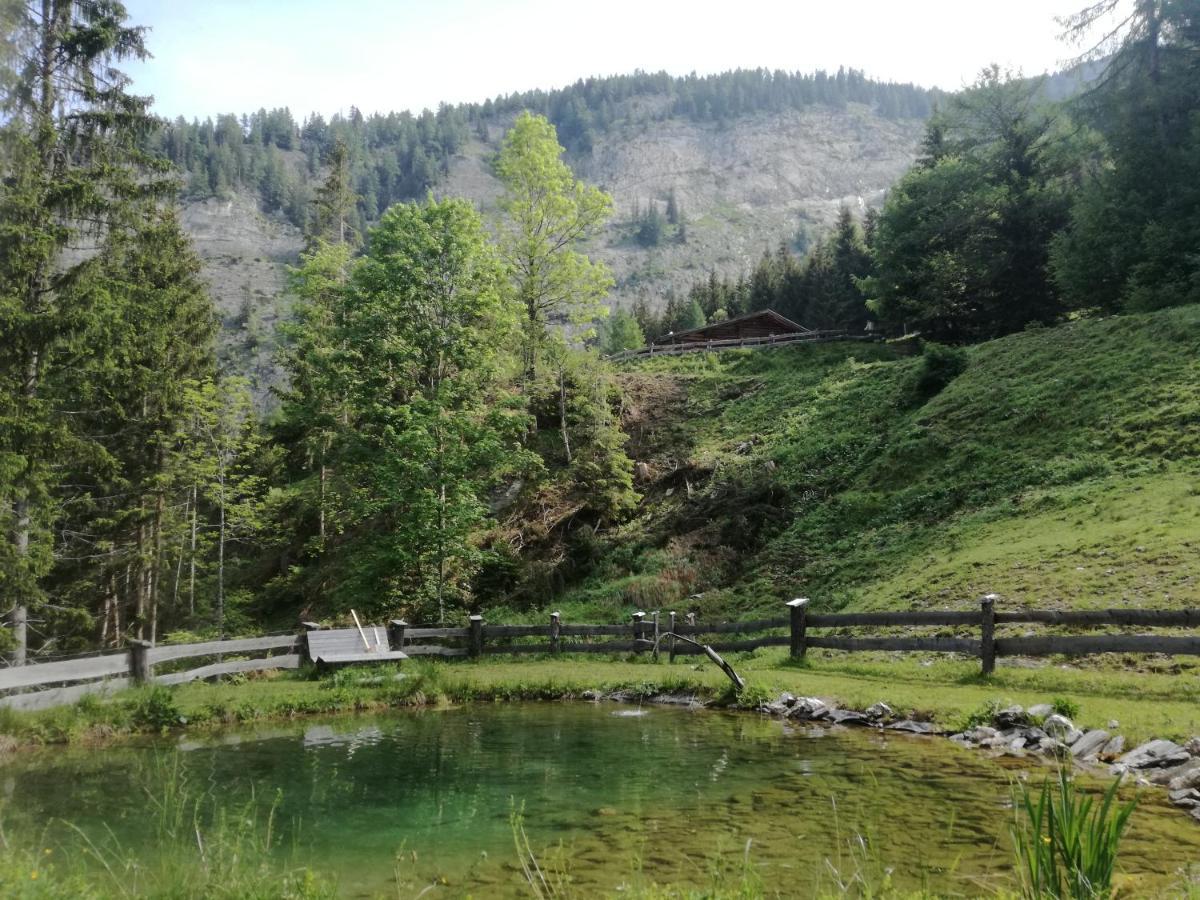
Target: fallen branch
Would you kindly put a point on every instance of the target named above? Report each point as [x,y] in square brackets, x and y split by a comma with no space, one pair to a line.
[710,653]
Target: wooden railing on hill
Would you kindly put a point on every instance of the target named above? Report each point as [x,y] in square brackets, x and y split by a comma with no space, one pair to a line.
[66,681]
[775,340]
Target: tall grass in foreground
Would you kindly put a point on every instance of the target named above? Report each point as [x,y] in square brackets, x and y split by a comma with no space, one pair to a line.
[201,849]
[1066,843]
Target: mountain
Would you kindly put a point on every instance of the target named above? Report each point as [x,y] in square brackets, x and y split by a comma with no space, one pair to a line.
[745,160]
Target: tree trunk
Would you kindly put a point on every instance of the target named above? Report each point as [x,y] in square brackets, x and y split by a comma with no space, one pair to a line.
[192,557]
[221,546]
[562,412]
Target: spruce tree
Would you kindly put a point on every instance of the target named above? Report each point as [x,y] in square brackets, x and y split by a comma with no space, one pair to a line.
[72,169]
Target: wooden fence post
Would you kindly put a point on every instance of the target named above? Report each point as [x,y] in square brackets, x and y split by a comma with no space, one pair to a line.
[799,624]
[656,635]
[987,634]
[140,669]
[637,630]
[555,631]
[671,639]
[396,633]
[476,646]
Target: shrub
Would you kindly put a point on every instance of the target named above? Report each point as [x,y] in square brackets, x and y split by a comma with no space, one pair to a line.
[1065,706]
[155,708]
[939,366]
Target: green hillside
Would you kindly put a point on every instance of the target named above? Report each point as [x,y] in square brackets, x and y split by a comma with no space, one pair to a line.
[1058,469]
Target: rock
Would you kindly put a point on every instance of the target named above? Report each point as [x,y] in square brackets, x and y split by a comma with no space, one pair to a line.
[592,695]
[1114,747]
[1059,727]
[1192,745]
[913,727]
[1185,797]
[1041,710]
[1113,724]
[779,706]
[1089,744]
[643,472]
[981,733]
[1196,813]
[960,738]
[879,710]
[1188,779]
[849,717]
[1166,776]
[1155,755]
[808,708]
[1011,717]
[1017,744]
[1053,747]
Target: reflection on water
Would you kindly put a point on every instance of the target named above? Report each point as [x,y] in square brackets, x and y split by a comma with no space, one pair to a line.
[423,796]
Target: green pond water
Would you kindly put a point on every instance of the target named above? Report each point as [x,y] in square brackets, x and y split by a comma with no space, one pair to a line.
[613,796]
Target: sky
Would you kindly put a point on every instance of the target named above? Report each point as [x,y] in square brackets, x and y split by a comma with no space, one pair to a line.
[215,56]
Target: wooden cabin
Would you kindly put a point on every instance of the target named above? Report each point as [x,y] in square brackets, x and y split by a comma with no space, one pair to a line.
[762,324]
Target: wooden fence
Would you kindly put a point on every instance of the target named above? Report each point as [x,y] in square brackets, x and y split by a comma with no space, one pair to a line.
[75,678]
[653,634]
[972,633]
[774,340]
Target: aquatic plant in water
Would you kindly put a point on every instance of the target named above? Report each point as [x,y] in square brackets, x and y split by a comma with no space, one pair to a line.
[1066,843]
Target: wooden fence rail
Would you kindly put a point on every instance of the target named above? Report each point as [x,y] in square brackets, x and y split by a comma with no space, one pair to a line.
[66,681]
[74,679]
[648,636]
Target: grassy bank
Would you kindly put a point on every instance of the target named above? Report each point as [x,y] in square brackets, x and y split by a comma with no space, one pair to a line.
[1145,703]
[1058,469]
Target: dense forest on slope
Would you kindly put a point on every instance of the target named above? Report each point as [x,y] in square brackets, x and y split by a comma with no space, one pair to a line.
[398,156]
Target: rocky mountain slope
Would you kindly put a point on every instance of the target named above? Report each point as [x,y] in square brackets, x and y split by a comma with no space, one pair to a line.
[743,186]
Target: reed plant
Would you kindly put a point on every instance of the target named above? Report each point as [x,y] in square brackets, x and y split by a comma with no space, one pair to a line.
[1066,841]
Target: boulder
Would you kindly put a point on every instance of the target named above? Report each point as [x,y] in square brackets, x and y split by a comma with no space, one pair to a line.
[849,717]
[1060,727]
[913,727]
[1155,755]
[779,706]
[878,711]
[1041,710]
[1187,779]
[808,708]
[1189,798]
[1167,775]
[1114,748]
[981,733]
[1089,745]
[1192,745]
[1052,747]
[1011,717]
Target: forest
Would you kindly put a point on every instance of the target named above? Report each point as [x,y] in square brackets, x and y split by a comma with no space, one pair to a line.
[448,417]
[398,156]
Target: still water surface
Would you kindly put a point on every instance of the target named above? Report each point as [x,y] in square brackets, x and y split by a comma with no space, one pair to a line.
[391,804]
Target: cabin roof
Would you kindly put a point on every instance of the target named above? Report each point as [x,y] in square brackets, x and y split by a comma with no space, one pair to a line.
[780,324]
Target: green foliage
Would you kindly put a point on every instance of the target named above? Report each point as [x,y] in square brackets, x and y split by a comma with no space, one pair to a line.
[962,246]
[1065,706]
[154,709]
[1066,844]
[547,212]
[939,366]
[1133,228]
[622,332]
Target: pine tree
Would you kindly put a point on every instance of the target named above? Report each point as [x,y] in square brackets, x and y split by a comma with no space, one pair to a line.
[69,142]
[335,201]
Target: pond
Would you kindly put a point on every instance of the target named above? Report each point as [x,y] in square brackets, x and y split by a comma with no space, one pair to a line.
[612,796]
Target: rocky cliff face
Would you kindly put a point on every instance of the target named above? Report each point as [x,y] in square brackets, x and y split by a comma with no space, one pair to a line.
[743,187]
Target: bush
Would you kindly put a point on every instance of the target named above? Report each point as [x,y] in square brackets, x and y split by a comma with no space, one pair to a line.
[939,366]
[155,708]
[1065,706]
